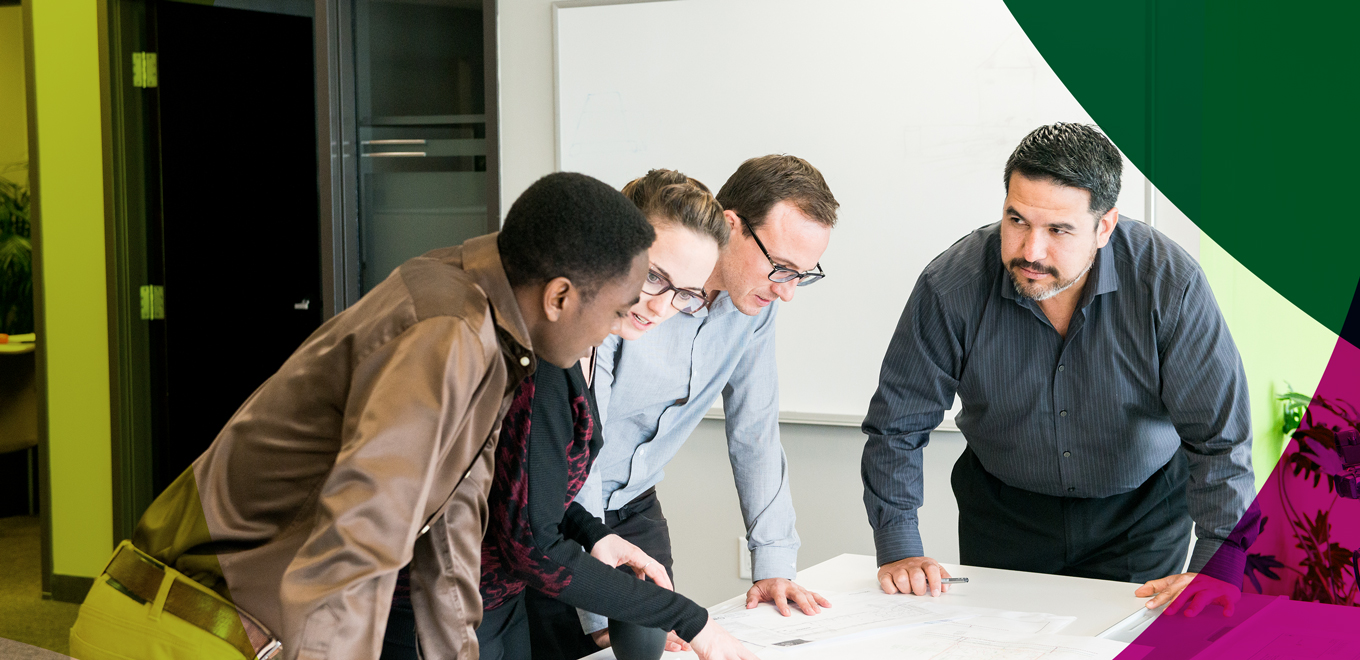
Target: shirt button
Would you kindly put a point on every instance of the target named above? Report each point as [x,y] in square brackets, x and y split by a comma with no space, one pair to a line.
[1067,454]
[524,361]
[1072,489]
[425,529]
[1062,414]
[1060,367]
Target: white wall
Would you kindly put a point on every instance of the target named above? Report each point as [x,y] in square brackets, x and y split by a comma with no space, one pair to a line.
[525,40]
[700,504]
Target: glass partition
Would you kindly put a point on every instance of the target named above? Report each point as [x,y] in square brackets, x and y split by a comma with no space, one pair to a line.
[420,108]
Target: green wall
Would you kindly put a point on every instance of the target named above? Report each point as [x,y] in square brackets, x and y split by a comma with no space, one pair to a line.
[1281,346]
[71,203]
[13,99]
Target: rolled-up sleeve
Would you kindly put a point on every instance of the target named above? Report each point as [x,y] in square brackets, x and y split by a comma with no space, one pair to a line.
[751,408]
[1204,388]
[916,386]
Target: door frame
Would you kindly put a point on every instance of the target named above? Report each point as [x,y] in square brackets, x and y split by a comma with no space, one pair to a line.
[132,195]
[131,205]
[337,169]
[131,202]
[39,309]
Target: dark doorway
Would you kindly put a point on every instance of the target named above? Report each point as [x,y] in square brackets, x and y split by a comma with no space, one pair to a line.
[236,243]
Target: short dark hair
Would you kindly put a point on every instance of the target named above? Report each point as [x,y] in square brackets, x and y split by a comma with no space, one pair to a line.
[1072,155]
[574,226]
[762,182]
[669,197]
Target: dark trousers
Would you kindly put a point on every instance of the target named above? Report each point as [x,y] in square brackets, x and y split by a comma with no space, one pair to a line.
[554,627]
[503,635]
[399,642]
[1136,536]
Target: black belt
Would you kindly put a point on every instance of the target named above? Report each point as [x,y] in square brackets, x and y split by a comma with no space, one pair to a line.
[626,511]
[139,577]
[650,492]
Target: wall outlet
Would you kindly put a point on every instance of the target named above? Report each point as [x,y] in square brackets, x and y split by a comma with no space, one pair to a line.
[743,559]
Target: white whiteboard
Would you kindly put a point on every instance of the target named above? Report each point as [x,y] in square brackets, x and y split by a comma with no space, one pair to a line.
[908,107]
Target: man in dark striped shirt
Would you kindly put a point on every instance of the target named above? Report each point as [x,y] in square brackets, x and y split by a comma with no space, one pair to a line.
[1104,402]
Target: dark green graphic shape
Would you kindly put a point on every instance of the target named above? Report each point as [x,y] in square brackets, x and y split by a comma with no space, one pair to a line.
[1246,115]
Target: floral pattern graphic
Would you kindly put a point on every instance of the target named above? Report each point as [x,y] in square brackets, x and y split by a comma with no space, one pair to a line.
[1307,543]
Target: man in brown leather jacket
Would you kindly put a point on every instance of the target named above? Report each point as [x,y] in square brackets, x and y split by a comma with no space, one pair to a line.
[371,448]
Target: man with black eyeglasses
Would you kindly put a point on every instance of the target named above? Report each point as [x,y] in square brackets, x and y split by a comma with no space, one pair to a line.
[653,391]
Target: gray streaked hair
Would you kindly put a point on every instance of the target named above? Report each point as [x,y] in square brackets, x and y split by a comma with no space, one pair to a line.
[1072,155]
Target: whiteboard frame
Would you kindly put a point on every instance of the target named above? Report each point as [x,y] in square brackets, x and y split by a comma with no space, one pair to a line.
[829,419]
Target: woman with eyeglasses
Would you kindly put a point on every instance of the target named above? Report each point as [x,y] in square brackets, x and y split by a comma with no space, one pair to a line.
[549,438]
[690,231]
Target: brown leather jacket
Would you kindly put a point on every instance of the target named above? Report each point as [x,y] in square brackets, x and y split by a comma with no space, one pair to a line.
[370,448]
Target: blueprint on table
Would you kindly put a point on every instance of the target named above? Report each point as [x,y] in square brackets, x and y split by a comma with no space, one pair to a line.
[867,613]
[971,639]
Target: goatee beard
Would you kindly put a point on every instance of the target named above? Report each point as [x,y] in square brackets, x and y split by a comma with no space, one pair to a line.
[1023,288]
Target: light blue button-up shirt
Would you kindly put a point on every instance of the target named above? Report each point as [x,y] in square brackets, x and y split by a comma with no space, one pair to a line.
[652,392]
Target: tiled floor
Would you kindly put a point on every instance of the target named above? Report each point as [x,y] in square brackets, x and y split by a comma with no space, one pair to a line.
[24,615]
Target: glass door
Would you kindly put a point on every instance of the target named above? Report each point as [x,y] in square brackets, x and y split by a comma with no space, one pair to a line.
[420,110]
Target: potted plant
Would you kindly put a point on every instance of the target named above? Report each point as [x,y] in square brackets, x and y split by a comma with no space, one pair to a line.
[1307,508]
[16,257]
[18,395]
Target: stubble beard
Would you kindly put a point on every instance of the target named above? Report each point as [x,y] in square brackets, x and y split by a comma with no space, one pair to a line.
[1039,294]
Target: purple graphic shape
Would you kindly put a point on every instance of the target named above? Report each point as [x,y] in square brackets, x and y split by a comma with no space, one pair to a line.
[1301,536]
[1310,526]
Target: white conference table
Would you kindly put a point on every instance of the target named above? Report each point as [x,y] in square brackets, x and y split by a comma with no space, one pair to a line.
[1096,604]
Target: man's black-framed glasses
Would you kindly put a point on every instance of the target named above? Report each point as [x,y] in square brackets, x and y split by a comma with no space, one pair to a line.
[688,301]
[782,274]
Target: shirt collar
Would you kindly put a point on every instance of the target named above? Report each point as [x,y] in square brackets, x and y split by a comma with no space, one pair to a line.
[1105,276]
[482,260]
[1008,286]
[721,306]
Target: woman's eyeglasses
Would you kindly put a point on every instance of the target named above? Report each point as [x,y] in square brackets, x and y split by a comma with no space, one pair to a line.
[688,301]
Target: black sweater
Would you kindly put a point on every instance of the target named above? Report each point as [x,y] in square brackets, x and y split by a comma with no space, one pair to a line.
[536,534]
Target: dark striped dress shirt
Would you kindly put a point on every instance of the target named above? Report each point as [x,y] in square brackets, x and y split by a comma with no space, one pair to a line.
[1147,369]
